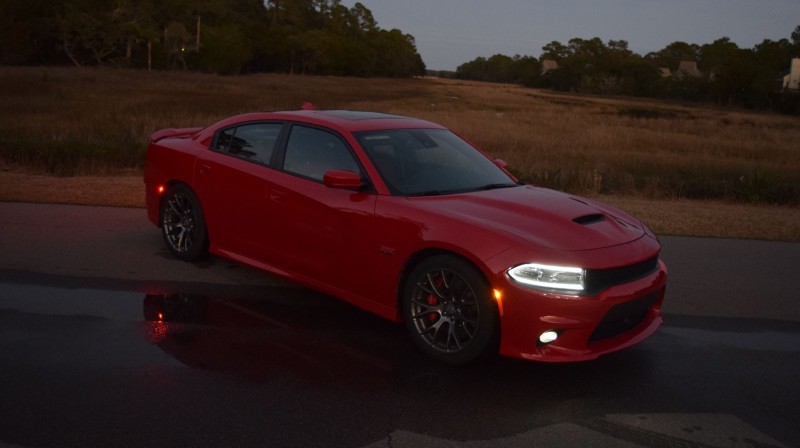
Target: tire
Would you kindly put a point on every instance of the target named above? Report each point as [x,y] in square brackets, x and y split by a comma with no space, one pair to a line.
[183,225]
[448,311]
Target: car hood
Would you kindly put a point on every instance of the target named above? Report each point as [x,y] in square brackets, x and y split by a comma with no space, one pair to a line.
[541,217]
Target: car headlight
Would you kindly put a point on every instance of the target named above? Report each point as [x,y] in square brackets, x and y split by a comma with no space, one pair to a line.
[547,277]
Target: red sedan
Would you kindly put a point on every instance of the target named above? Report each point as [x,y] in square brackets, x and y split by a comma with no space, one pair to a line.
[406,219]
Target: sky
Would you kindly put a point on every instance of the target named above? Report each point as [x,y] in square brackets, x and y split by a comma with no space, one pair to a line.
[451,32]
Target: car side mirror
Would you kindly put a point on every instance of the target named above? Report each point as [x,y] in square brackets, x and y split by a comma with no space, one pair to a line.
[501,163]
[342,179]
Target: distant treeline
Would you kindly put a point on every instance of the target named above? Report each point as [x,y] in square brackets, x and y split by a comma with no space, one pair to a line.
[221,36]
[323,37]
[724,73]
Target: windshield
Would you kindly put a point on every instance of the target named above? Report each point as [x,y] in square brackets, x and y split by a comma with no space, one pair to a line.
[422,162]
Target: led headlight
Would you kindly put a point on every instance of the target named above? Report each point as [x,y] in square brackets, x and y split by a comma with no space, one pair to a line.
[547,277]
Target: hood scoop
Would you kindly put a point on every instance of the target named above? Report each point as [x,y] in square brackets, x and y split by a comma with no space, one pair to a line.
[593,218]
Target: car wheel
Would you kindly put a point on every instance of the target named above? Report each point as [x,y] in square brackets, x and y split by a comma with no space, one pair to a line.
[448,311]
[182,224]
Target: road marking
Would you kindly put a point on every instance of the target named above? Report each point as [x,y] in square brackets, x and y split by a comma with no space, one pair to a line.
[615,430]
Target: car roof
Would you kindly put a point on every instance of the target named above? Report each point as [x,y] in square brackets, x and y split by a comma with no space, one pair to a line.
[346,120]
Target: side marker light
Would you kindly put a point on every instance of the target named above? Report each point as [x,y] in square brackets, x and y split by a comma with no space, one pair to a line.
[498,297]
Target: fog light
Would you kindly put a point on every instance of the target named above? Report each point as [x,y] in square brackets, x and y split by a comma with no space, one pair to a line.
[548,336]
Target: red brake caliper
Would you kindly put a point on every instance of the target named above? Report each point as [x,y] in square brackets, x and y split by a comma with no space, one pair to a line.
[432,300]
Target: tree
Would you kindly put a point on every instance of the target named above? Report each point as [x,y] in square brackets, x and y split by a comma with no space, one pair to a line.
[324,37]
[673,54]
[225,50]
[26,32]
[526,71]
[176,40]
[591,66]
[397,54]
[501,68]
[361,20]
[772,59]
[730,69]
[90,31]
[555,50]
[224,36]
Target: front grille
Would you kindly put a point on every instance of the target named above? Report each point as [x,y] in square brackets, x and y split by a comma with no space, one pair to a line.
[624,317]
[598,280]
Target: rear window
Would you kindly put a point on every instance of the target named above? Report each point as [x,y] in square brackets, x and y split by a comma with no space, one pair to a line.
[254,142]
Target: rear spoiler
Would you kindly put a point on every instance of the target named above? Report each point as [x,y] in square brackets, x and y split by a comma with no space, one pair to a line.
[173,133]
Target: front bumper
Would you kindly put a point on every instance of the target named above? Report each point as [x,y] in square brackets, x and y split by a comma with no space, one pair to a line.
[588,327]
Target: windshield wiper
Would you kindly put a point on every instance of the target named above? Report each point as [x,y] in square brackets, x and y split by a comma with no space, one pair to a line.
[463,190]
[495,186]
[430,193]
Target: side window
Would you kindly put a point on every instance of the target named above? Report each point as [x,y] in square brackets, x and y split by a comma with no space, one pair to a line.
[223,140]
[253,142]
[310,152]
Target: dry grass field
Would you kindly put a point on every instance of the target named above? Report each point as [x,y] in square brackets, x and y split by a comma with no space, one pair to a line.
[684,169]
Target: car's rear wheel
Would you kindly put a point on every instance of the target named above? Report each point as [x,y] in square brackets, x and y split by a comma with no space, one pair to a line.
[448,311]
[182,224]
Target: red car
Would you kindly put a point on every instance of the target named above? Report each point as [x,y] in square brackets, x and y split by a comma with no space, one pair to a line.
[406,219]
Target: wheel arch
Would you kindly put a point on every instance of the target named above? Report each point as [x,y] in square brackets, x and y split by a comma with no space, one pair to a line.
[417,257]
[200,238]
[488,344]
[167,186]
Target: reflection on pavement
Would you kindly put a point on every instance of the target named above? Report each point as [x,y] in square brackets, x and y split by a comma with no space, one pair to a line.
[261,340]
[299,359]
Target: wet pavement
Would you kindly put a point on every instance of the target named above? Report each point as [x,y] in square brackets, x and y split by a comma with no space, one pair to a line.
[131,348]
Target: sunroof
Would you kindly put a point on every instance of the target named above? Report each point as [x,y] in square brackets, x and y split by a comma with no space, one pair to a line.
[356,115]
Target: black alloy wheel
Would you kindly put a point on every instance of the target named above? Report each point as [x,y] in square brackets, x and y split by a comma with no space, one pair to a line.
[182,224]
[448,311]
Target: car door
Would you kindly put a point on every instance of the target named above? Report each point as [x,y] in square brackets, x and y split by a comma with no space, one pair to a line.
[324,234]
[231,185]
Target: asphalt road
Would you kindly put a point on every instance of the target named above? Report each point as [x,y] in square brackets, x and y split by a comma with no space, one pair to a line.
[244,359]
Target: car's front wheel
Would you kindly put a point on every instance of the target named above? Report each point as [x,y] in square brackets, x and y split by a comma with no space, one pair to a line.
[448,311]
[182,224]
